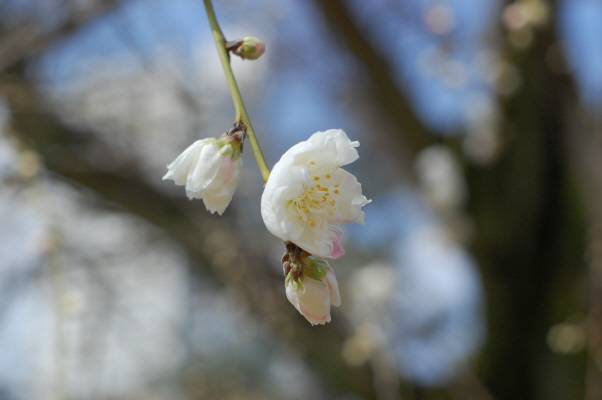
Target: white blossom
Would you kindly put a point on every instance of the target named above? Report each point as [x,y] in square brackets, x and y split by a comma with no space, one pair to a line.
[313,298]
[308,195]
[210,169]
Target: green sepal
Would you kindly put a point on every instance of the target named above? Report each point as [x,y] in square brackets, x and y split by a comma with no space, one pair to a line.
[289,276]
[227,147]
[316,268]
[297,284]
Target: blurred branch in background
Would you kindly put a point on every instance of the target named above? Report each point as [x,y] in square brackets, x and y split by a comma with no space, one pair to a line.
[25,37]
[64,152]
[68,153]
[394,112]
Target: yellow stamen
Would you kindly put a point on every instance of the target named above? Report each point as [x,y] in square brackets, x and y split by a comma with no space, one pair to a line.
[313,204]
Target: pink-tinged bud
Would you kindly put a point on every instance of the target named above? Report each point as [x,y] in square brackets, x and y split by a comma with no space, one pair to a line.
[210,169]
[249,48]
[311,298]
[311,285]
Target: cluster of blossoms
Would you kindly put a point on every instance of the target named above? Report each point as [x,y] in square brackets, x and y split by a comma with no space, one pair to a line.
[306,198]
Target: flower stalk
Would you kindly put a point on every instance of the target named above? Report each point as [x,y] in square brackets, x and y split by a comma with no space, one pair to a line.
[239,106]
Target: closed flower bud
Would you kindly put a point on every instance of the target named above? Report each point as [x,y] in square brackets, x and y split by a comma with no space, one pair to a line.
[311,286]
[209,169]
[249,48]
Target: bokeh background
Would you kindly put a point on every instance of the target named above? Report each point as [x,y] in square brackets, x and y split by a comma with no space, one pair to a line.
[478,274]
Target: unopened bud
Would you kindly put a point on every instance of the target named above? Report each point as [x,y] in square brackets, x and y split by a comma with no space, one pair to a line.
[209,169]
[249,48]
[311,285]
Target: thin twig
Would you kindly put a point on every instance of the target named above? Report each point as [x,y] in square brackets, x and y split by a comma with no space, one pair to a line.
[239,106]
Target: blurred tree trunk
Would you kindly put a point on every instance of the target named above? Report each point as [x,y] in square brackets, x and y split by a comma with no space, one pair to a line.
[529,236]
[587,158]
[530,233]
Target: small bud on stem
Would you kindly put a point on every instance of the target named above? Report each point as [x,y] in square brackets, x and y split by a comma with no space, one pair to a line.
[249,48]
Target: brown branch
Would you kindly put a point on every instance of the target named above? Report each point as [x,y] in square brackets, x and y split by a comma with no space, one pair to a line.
[28,40]
[384,92]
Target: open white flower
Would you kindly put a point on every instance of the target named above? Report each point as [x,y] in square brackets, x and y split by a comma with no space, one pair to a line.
[313,298]
[210,169]
[308,195]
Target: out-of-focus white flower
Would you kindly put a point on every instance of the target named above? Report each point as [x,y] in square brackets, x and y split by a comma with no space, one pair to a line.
[437,322]
[313,289]
[441,177]
[308,195]
[210,169]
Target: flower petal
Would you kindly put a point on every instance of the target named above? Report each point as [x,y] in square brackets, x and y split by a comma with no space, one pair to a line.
[205,168]
[333,285]
[311,299]
[337,249]
[178,169]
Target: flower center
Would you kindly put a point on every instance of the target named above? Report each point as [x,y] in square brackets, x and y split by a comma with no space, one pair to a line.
[317,202]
